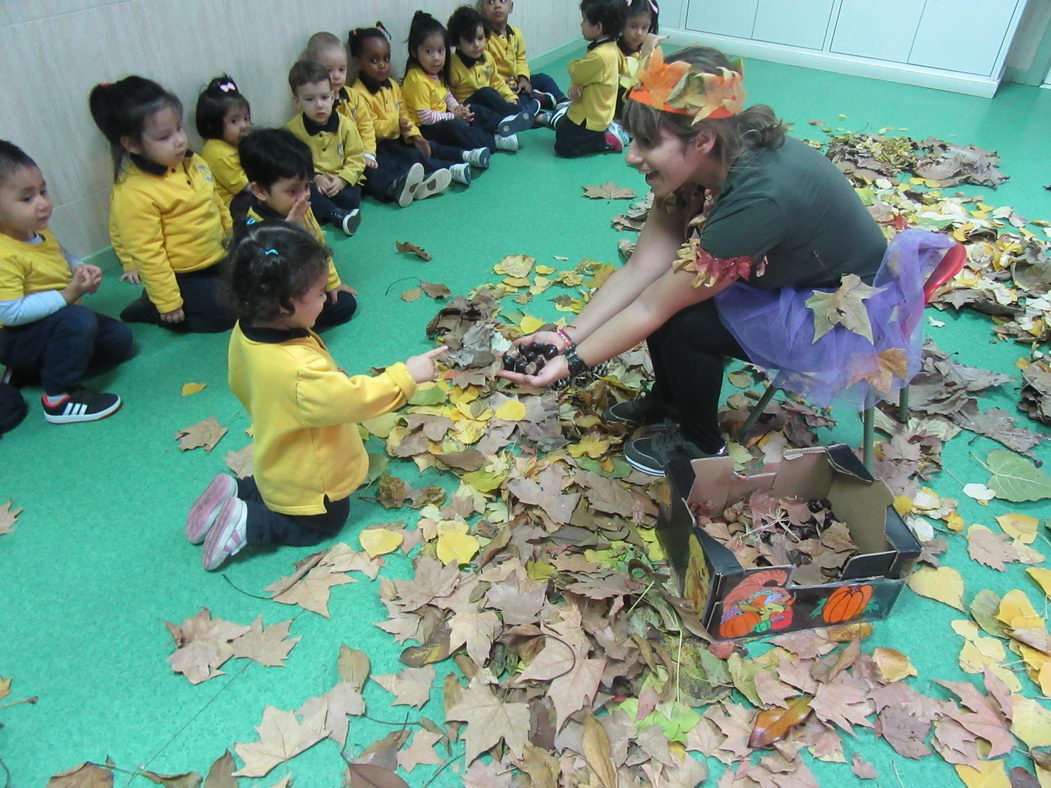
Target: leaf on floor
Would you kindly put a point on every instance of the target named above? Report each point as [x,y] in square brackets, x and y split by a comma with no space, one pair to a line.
[268,646]
[435,290]
[86,775]
[609,191]
[240,462]
[204,434]
[412,294]
[193,388]
[405,247]
[282,736]
[8,518]
[203,645]
[410,687]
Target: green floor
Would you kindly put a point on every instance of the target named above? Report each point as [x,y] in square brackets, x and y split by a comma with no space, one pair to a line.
[97,562]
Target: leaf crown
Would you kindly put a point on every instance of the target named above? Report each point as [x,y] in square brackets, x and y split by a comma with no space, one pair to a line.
[683,89]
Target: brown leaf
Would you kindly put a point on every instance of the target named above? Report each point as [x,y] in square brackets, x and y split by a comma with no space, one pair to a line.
[476,629]
[598,753]
[435,290]
[412,294]
[384,752]
[8,518]
[203,645]
[863,769]
[281,737]
[773,725]
[185,780]
[204,434]
[87,775]
[609,191]
[411,687]
[984,718]
[435,649]
[221,773]
[421,751]
[313,590]
[841,702]
[265,645]
[240,462]
[405,247]
[990,548]
[336,705]
[354,666]
[489,720]
[368,775]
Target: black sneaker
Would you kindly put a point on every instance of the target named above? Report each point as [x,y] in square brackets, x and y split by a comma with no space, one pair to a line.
[635,413]
[651,454]
[350,222]
[512,124]
[83,405]
[403,190]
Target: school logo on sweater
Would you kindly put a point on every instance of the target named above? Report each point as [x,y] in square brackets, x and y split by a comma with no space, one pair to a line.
[339,150]
[207,173]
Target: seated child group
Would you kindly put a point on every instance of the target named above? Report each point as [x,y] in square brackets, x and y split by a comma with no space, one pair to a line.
[229,239]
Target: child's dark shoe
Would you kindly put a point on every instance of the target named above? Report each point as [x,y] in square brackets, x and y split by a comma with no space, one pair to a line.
[206,508]
[228,534]
[515,123]
[350,222]
[82,405]
[403,190]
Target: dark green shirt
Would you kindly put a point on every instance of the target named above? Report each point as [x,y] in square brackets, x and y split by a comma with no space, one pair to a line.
[792,205]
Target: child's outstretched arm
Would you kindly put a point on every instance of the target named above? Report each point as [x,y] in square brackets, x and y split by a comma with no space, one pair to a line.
[421,367]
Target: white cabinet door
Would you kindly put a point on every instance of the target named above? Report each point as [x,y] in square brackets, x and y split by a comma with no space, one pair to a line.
[882,30]
[671,14]
[799,23]
[962,35]
[722,17]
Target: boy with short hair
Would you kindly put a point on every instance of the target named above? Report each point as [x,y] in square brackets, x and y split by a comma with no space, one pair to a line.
[581,127]
[506,46]
[44,331]
[334,142]
[279,168]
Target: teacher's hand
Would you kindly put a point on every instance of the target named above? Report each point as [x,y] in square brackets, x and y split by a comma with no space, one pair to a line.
[544,337]
[555,369]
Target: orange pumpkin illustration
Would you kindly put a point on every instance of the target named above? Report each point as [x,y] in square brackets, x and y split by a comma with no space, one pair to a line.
[846,603]
[739,625]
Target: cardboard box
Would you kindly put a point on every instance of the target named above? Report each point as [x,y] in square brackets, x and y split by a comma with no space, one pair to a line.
[734,602]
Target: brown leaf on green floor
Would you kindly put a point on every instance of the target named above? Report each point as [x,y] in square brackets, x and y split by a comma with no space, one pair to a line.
[240,462]
[203,645]
[204,434]
[86,775]
[8,518]
[609,191]
[405,247]
[268,646]
[221,772]
[369,775]
[282,736]
[184,780]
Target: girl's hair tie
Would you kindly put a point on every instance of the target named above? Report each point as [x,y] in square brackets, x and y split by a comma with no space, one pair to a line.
[270,251]
[227,87]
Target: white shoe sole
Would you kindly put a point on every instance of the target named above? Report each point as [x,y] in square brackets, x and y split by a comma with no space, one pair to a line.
[435,183]
[73,418]
[413,179]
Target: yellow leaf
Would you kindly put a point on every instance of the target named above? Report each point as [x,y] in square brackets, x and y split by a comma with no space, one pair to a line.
[380,541]
[454,543]
[516,282]
[515,265]
[511,410]
[5,687]
[1042,577]
[903,505]
[192,388]
[540,570]
[469,431]
[530,324]
[954,522]
[989,774]
[591,445]
[1017,611]
[381,426]
[545,269]
[463,396]
[485,481]
[943,584]
[1031,722]
[893,665]
[1019,526]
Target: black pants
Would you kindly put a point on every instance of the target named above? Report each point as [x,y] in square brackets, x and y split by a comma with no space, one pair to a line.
[267,527]
[457,135]
[395,158]
[489,108]
[331,209]
[203,306]
[332,314]
[572,140]
[59,349]
[12,407]
[689,356]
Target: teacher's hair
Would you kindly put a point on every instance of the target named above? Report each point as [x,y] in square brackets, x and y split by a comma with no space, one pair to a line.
[755,127]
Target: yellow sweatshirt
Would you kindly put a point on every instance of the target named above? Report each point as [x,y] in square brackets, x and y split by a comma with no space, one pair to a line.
[467,76]
[336,146]
[351,106]
[386,105]
[167,223]
[424,92]
[508,52]
[27,268]
[598,75]
[225,165]
[306,445]
[260,212]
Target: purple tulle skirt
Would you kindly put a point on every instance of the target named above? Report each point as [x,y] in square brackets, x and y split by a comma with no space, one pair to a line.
[776,330]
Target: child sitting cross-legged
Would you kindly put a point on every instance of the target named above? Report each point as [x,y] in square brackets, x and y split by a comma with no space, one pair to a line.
[44,331]
[279,168]
[334,142]
[306,451]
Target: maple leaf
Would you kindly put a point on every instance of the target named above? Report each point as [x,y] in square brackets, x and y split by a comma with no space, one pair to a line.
[86,775]
[489,720]
[841,702]
[843,306]
[311,592]
[411,687]
[984,719]
[204,434]
[405,247]
[421,751]
[240,462]
[203,645]
[546,492]
[576,689]
[281,737]
[609,191]
[891,364]
[476,629]
[221,772]
[265,645]
[336,705]
[8,518]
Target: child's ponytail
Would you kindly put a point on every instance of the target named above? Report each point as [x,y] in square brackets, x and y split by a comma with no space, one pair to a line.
[120,111]
[214,102]
[359,35]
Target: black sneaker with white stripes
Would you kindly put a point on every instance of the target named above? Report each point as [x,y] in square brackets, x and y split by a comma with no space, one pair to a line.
[83,405]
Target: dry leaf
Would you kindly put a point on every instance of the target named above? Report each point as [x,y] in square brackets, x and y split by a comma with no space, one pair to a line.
[943,584]
[203,645]
[844,306]
[862,768]
[5,687]
[989,774]
[87,775]
[775,724]
[1042,577]
[380,541]
[240,462]
[281,737]
[370,775]
[598,752]
[609,191]
[1019,526]
[405,247]
[489,720]
[204,434]
[421,751]
[266,645]
[893,665]
[435,290]
[8,518]
[411,687]
[312,590]
[184,780]
[354,666]
[413,294]
[221,773]
[192,388]
[454,543]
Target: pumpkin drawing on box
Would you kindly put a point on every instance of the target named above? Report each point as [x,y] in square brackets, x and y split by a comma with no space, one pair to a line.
[759,603]
[845,603]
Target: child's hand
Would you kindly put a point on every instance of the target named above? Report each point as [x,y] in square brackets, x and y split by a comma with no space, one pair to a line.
[175,316]
[421,367]
[575,92]
[513,84]
[333,295]
[77,287]
[461,112]
[524,86]
[89,275]
[371,164]
[338,184]
[422,146]
[132,277]
[298,213]
[404,126]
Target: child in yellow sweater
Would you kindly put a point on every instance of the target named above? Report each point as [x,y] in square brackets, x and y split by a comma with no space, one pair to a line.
[334,142]
[641,23]
[506,45]
[167,221]
[223,117]
[44,331]
[306,451]
[583,126]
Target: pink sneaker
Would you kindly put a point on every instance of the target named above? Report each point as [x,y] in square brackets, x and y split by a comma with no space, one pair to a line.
[228,534]
[613,144]
[206,508]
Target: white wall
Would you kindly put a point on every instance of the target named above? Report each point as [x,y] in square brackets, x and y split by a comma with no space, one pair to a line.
[52,52]
[1031,30]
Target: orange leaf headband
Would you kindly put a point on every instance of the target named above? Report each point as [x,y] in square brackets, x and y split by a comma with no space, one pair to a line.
[680,88]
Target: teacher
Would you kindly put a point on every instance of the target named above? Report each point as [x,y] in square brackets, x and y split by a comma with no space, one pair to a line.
[745,224]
